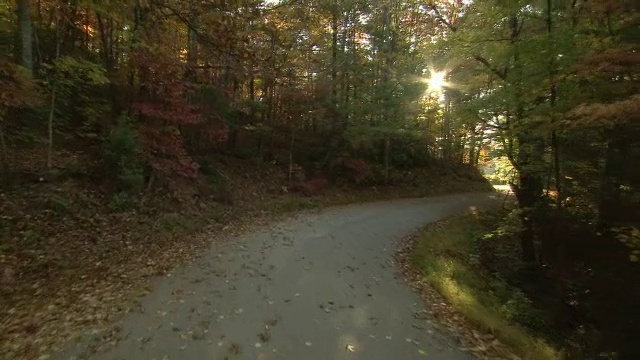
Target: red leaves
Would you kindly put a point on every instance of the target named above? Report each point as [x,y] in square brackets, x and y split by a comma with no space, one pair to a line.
[354,170]
[164,149]
[610,61]
[216,133]
[164,107]
[358,169]
[311,187]
[606,115]
[165,94]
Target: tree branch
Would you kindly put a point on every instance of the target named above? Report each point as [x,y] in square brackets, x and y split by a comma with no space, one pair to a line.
[501,74]
[441,18]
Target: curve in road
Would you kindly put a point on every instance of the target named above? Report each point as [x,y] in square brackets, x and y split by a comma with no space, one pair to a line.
[316,286]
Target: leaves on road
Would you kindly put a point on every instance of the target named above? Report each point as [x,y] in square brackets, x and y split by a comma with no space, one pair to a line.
[483,346]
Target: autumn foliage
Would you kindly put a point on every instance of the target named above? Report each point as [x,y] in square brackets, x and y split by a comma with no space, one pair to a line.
[311,187]
[18,88]
[132,99]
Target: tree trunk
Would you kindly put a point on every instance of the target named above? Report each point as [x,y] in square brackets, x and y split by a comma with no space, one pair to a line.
[334,55]
[387,160]
[552,99]
[50,129]
[192,45]
[293,138]
[555,148]
[4,159]
[26,35]
[525,193]
[609,204]
[529,191]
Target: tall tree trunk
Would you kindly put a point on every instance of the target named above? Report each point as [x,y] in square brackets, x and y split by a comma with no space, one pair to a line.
[552,99]
[291,144]
[386,102]
[50,129]
[609,204]
[334,57]
[26,35]
[4,158]
[387,160]
[529,158]
[529,190]
[192,47]
[104,39]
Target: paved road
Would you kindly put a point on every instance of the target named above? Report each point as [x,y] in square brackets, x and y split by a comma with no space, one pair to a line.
[317,286]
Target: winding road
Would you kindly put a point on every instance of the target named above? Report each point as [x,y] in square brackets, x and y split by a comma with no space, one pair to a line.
[316,286]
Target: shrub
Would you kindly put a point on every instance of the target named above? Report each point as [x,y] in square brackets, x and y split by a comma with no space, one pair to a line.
[518,308]
[120,202]
[58,204]
[630,237]
[355,170]
[499,249]
[311,187]
[358,170]
[123,159]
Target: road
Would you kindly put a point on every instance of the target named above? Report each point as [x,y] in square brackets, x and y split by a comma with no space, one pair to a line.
[316,286]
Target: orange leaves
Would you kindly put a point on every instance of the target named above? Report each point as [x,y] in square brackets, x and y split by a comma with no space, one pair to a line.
[357,170]
[607,115]
[164,149]
[312,187]
[164,106]
[617,60]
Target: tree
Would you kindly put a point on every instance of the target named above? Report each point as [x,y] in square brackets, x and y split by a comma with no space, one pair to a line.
[523,73]
[26,37]
[19,91]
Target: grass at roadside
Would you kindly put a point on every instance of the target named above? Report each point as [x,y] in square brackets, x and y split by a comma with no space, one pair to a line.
[445,256]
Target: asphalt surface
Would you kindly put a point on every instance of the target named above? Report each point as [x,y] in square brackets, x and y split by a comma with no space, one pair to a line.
[316,286]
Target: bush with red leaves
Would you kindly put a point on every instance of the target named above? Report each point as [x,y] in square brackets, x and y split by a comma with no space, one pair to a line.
[311,187]
[354,170]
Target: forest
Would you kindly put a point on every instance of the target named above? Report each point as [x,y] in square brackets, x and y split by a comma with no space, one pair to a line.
[115,113]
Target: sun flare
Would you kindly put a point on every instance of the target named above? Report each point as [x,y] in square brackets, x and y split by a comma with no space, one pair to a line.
[436,81]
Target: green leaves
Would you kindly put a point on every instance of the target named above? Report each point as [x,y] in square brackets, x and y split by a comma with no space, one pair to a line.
[630,237]
[68,72]
[123,158]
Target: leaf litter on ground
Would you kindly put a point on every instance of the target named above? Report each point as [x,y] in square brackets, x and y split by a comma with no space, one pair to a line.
[96,264]
[482,345]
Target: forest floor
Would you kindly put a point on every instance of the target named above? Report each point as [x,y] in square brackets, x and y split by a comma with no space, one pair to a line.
[469,271]
[73,258]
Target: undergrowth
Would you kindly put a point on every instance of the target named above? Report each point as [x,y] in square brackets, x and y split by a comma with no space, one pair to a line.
[448,255]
